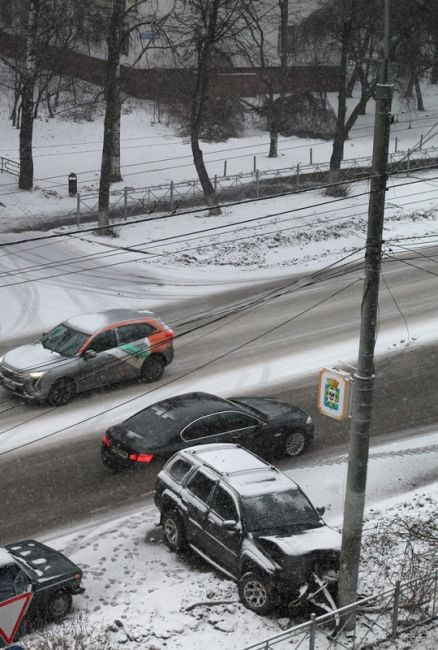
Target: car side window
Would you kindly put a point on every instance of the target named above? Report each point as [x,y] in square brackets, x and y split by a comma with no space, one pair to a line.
[134,332]
[223,505]
[179,469]
[201,486]
[233,420]
[104,341]
[207,426]
[7,578]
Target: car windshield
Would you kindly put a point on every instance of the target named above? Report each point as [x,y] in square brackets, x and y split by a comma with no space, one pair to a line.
[64,340]
[156,424]
[279,511]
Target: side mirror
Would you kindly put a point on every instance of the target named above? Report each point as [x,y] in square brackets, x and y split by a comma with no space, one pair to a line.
[230,524]
[89,354]
[320,510]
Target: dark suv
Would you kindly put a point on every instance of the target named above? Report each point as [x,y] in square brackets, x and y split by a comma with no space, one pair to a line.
[250,521]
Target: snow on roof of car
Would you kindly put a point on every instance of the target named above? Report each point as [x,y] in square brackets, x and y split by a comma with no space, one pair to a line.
[90,323]
[227,458]
[263,481]
[5,557]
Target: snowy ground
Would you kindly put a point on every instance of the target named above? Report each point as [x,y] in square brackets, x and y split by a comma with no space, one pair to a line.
[132,578]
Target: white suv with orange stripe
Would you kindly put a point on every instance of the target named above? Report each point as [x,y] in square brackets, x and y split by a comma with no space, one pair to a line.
[87,352]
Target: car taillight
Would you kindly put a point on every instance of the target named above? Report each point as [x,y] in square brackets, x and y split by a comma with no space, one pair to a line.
[168,334]
[106,442]
[142,458]
[77,576]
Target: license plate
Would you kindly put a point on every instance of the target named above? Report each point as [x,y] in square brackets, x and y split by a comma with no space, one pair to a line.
[119,452]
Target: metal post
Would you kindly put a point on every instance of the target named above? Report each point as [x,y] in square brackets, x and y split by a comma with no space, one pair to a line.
[396,144]
[409,161]
[395,608]
[298,176]
[125,202]
[311,156]
[215,183]
[171,195]
[312,634]
[421,141]
[78,208]
[225,167]
[255,164]
[364,376]
[257,182]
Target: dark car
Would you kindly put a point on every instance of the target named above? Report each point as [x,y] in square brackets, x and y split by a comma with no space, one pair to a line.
[87,352]
[264,425]
[250,521]
[53,579]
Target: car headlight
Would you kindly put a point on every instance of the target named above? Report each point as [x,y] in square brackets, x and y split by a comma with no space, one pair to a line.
[36,375]
[309,419]
[1,359]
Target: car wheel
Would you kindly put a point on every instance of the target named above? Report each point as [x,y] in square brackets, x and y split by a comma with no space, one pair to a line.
[152,369]
[294,443]
[255,593]
[174,533]
[59,605]
[62,392]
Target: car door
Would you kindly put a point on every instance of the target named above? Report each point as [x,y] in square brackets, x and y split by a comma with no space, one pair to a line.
[222,540]
[134,346]
[198,490]
[100,363]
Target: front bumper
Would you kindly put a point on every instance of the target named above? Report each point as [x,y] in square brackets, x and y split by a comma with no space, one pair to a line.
[20,385]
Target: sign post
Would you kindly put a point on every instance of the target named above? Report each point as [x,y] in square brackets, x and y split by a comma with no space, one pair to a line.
[334,393]
[12,612]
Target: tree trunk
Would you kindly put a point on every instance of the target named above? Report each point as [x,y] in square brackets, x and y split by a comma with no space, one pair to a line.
[420,103]
[116,175]
[112,106]
[25,179]
[352,81]
[197,108]
[273,143]
[284,33]
[434,71]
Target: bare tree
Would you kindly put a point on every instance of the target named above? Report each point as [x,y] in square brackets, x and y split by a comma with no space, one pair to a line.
[44,33]
[121,21]
[203,36]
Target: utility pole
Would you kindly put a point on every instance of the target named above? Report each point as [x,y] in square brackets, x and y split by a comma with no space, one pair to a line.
[364,377]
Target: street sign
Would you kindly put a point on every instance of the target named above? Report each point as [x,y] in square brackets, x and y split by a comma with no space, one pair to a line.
[12,612]
[334,393]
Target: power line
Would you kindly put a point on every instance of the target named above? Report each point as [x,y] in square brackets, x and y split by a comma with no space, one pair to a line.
[202,366]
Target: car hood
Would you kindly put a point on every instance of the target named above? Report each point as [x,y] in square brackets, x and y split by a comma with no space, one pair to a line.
[32,356]
[45,562]
[322,538]
[271,408]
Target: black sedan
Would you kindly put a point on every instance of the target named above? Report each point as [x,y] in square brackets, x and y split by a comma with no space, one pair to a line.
[264,425]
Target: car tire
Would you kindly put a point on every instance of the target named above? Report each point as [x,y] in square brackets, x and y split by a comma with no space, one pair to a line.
[173,530]
[62,392]
[59,605]
[255,593]
[294,443]
[152,369]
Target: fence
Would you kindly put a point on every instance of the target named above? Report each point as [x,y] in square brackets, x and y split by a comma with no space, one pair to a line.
[131,201]
[378,618]
[9,166]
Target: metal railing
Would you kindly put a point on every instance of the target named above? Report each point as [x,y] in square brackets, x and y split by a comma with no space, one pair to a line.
[9,166]
[130,201]
[378,618]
